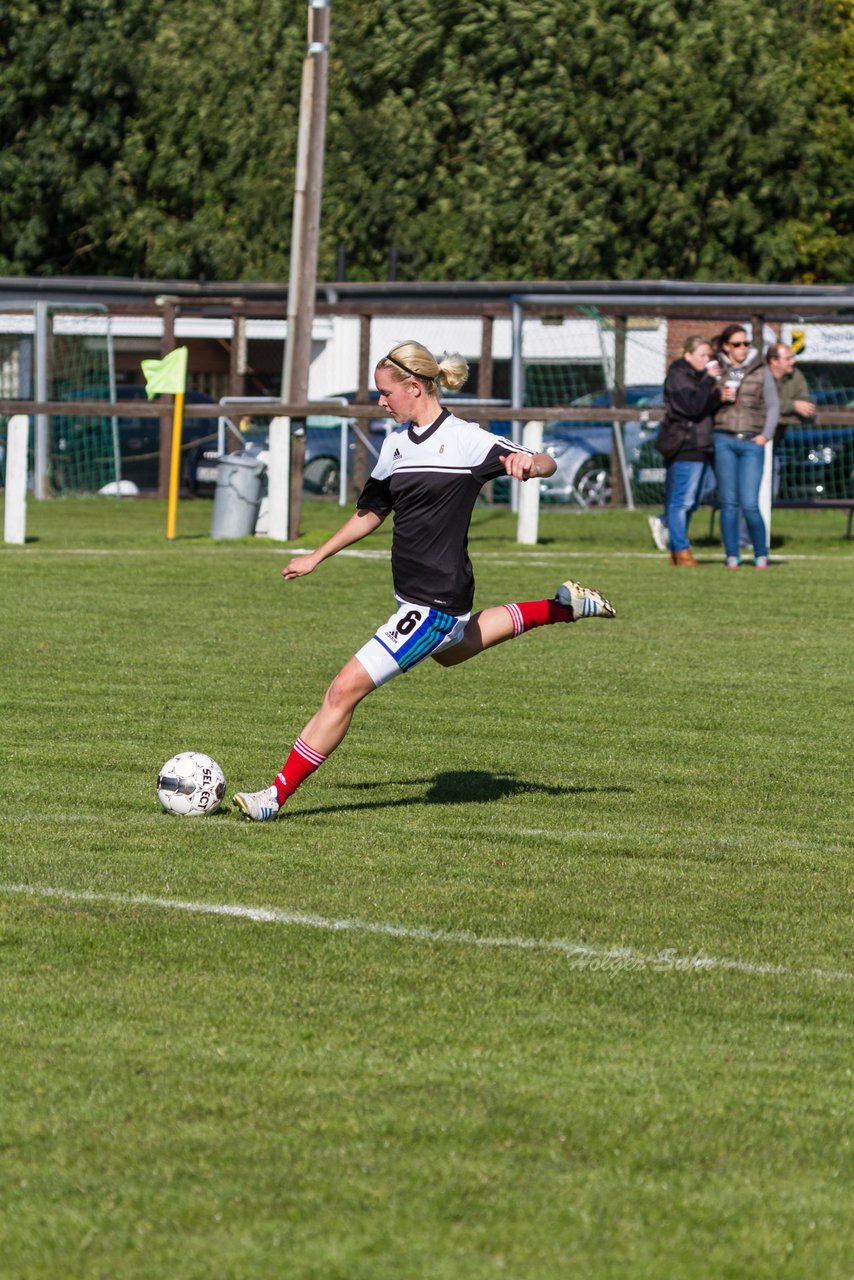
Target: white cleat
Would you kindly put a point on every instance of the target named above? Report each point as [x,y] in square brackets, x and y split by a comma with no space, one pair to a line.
[660,533]
[258,806]
[584,601]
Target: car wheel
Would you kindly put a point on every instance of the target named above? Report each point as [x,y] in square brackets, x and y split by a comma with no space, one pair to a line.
[321,475]
[593,483]
[327,481]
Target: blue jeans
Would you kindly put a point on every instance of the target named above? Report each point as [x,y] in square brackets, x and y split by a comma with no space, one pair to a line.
[683,490]
[743,535]
[739,465]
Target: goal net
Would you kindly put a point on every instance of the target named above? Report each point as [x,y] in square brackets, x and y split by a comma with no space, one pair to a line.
[63,353]
[574,357]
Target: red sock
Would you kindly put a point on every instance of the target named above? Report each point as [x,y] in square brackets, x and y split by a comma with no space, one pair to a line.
[537,613]
[300,764]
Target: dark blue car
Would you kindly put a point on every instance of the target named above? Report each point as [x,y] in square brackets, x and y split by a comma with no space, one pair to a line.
[813,462]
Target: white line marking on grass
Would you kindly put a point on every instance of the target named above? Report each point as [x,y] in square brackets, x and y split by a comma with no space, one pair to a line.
[637,833]
[763,839]
[618,959]
[540,556]
[537,556]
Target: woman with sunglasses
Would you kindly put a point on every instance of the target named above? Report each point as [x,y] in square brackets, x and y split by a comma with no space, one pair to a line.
[744,423]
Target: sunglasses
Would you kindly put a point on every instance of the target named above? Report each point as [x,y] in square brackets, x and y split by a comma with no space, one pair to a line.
[738,344]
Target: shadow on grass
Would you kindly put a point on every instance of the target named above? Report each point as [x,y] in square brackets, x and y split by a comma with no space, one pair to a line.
[474,786]
[776,541]
[715,544]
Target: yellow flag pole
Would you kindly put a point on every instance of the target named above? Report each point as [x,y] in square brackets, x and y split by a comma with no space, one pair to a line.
[175,466]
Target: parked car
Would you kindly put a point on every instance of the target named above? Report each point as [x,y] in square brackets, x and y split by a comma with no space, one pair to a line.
[322,451]
[322,455]
[815,462]
[582,450]
[323,444]
[139,439]
[830,397]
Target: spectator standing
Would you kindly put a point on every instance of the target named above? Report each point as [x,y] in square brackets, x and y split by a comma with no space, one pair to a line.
[745,421]
[691,396]
[792,388]
[793,393]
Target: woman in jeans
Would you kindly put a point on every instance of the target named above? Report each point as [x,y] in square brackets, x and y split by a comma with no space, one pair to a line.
[691,397]
[745,421]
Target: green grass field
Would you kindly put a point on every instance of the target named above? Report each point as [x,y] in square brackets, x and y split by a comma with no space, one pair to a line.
[553,966]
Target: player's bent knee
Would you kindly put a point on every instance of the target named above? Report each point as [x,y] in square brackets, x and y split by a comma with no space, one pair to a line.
[451,657]
[348,688]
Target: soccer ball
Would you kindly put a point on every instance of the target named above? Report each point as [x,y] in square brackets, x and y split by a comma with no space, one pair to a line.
[191,784]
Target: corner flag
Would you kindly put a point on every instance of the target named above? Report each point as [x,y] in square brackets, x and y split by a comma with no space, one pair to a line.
[168,374]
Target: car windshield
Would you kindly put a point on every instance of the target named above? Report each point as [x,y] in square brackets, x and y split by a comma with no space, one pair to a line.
[637,396]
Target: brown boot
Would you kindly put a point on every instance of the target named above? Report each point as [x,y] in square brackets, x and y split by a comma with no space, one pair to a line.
[685,558]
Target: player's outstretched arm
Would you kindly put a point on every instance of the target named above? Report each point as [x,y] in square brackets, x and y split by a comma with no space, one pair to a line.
[529,466]
[358,526]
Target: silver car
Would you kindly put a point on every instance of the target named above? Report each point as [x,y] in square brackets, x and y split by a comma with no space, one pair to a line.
[582,450]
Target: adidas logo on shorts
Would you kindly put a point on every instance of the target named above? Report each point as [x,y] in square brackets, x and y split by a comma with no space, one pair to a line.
[391,635]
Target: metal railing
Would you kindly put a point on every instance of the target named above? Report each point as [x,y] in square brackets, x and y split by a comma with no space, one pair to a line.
[825,416]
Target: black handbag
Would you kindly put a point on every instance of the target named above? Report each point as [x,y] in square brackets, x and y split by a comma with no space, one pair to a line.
[671,437]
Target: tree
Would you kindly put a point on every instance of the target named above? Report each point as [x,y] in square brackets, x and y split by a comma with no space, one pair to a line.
[597,138]
[543,139]
[211,151]
[69,83]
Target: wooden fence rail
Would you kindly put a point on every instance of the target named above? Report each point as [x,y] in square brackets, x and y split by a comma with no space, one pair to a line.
[826,416]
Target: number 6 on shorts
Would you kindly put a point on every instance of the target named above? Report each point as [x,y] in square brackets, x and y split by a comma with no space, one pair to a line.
[413,633]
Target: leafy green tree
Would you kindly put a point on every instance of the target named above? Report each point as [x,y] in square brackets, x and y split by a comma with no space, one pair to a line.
[515,139]
[597,138]
[816,237]
[67,87]
[211,152]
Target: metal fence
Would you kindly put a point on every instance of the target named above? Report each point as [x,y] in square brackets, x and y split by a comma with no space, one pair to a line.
[588,361]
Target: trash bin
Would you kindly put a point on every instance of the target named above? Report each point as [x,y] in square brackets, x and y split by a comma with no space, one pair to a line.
[240,484]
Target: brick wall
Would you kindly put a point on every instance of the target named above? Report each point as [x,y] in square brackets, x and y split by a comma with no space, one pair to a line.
[678,329]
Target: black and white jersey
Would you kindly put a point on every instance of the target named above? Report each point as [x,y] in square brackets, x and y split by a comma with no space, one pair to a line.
[430,478]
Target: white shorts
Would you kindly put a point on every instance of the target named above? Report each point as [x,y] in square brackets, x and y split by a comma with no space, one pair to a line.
[413,633]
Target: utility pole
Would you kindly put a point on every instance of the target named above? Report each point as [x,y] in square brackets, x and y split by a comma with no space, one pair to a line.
[285,507]
[619,494]
[168,303]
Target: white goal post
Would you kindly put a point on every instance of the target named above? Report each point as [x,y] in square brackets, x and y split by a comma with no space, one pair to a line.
[528,523]
[15,514]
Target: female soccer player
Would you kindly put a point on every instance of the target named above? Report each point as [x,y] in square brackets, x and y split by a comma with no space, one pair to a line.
[429,473]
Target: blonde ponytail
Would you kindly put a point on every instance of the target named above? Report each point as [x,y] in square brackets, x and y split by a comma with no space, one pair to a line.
[453,371]
[413,360]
